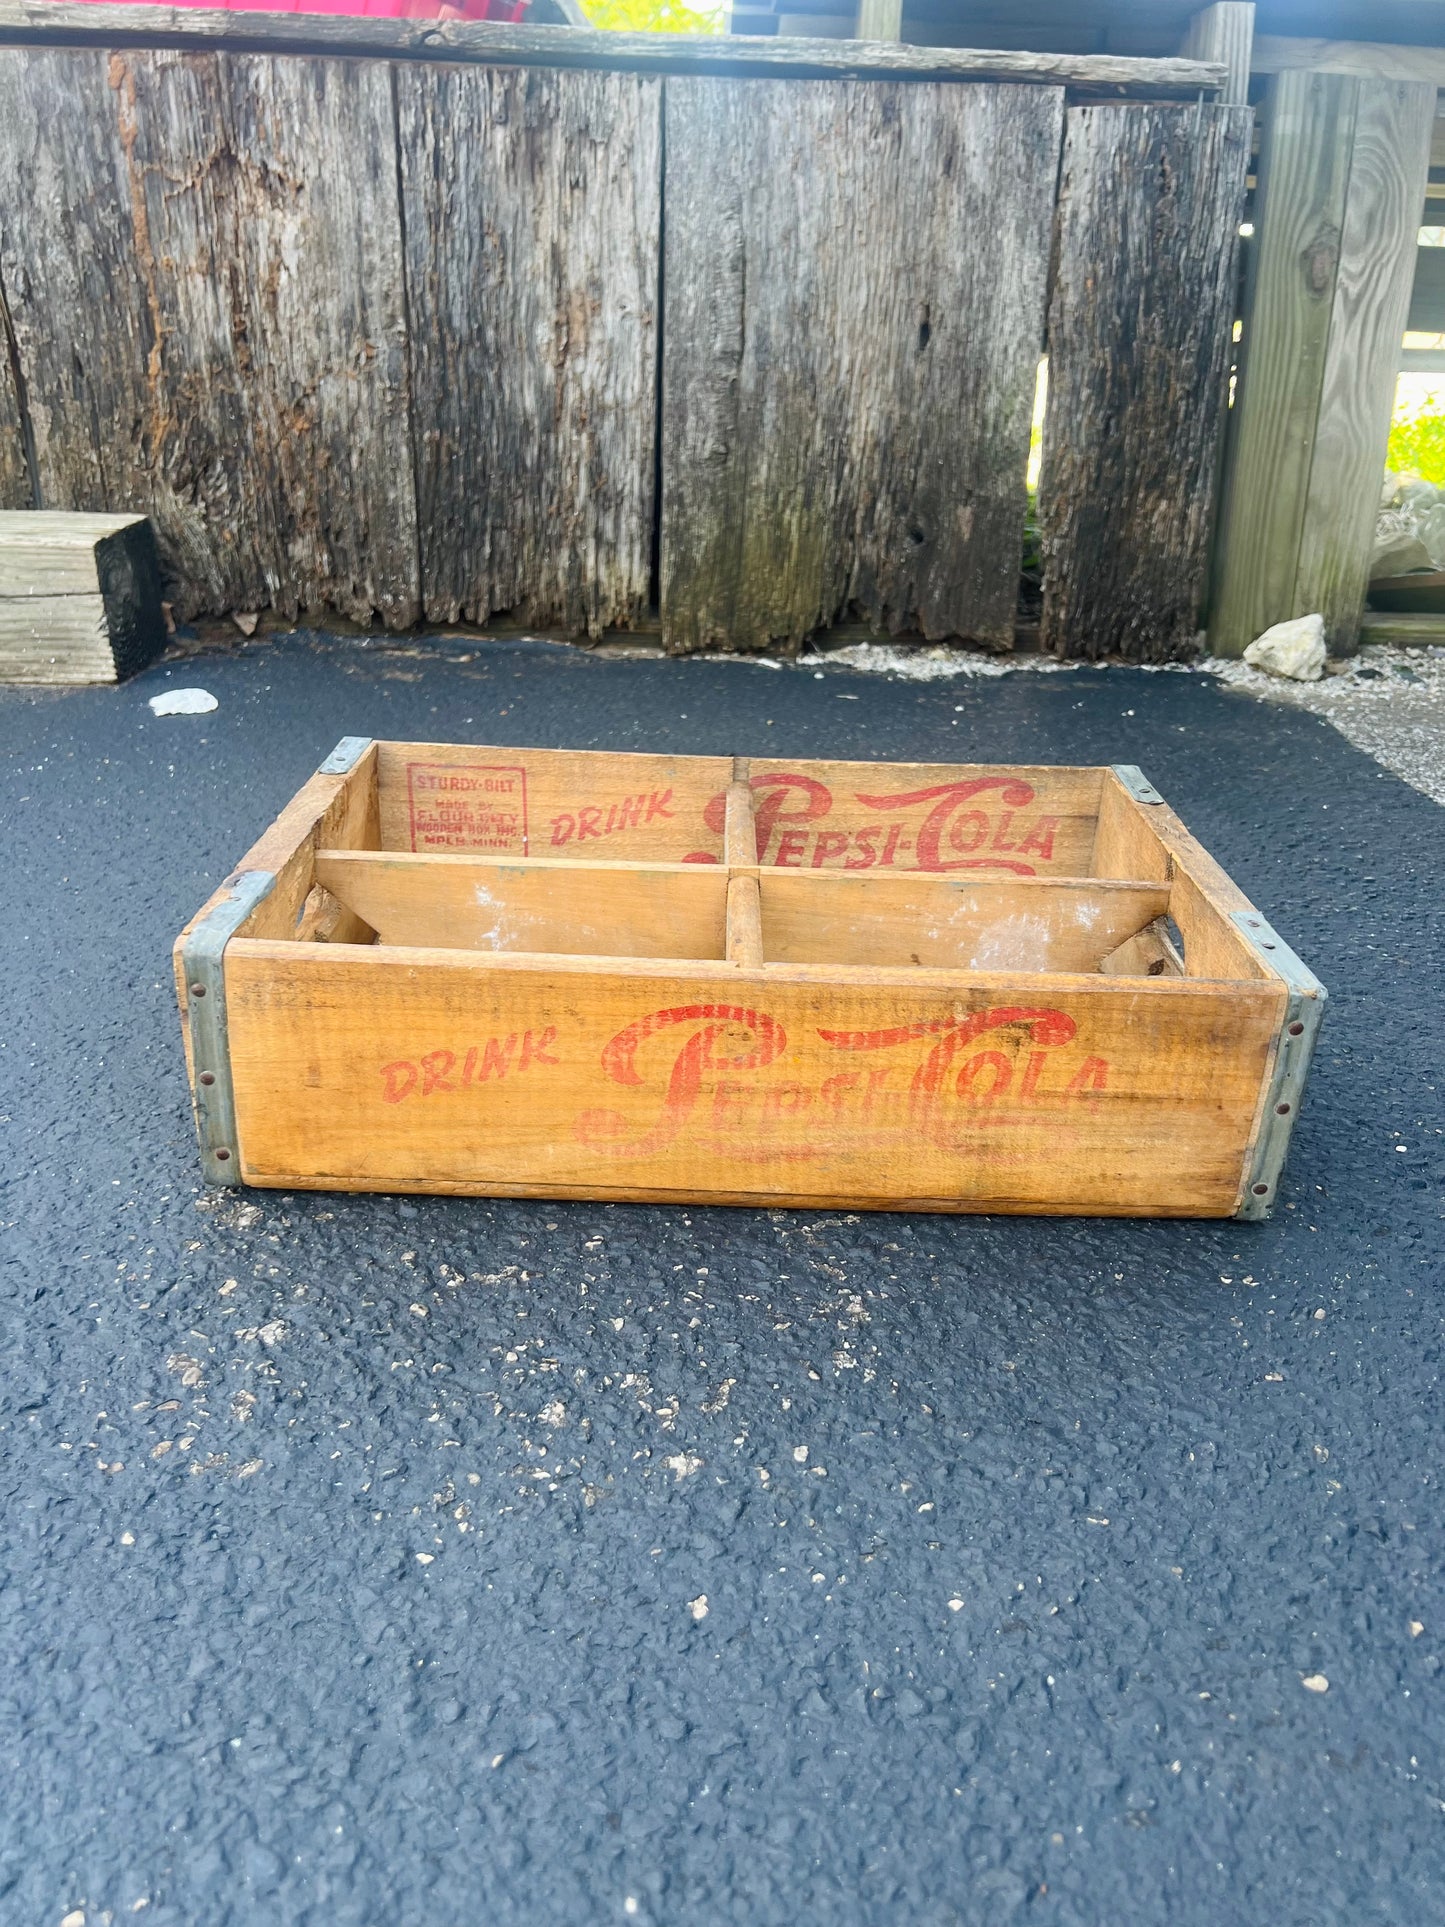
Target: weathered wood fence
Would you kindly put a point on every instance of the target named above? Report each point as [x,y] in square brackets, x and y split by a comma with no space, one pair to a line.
[463,325]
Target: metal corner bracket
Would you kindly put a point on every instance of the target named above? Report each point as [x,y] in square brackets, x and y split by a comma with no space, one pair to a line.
[211,1087]
[346,755]
[1136,782]
[1304,1012]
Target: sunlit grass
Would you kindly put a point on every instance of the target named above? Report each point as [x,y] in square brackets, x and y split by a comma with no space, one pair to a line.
[1417,436]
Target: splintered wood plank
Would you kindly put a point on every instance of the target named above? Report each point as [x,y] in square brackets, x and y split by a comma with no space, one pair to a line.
[1389,166]
[944,923]
[409,1069]
[1139,341]
[568,909]
[855,285]
[202,259]
[532,205]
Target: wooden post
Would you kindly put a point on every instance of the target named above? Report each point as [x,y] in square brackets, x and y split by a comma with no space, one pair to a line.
[1224,32]
[1342,180]
[883,20]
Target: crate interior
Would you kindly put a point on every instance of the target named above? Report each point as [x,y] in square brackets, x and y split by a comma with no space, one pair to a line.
[706,859]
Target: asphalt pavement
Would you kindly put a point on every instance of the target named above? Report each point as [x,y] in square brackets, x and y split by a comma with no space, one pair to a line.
[378,1562]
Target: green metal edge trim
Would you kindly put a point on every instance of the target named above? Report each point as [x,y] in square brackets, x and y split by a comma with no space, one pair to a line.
[346,755]
[1304,1012]
[212,1090]
[1136,782]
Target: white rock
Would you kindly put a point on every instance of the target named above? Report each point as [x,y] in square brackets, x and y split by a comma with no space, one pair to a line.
[1295,649]
[184,702]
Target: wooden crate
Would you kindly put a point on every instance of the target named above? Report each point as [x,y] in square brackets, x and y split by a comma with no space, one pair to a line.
[539,973]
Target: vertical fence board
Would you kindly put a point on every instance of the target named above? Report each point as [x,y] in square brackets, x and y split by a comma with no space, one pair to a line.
[532,204]
[202,255]
[1139,334]
[1389,169]
[855,285]
[1304,172]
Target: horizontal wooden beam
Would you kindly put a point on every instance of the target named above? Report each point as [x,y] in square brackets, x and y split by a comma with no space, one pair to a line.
[1403,631]
[54,23]
[1365,59]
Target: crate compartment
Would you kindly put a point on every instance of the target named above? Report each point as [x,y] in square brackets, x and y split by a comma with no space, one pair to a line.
[1049,998]
[554,908]
[944,923]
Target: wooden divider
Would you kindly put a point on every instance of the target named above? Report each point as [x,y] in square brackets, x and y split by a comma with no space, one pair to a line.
[516,904]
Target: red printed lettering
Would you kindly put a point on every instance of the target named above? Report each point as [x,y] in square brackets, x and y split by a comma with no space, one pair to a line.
[948,799]
[785,1100]
[791,845]
[588,819]
[436,1068]
[434,1072]
[835,1089]
[497,1057]
[535,1050]
[1092,1075]
[863,842]
[830,843]
[999,1071]
[730,1038]
[398,1080]
[1040,838]
[562,827]
[969,830]
[657,804]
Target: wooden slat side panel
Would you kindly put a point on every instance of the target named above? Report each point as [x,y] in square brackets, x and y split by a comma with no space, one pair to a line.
[452,799]
[870,818]
[533,208]
[1139,340]
[1202,895]
[466,903]
[946,923]
[863,817]
[202,258]
[855,282]
[999,1093]
[1124,844]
